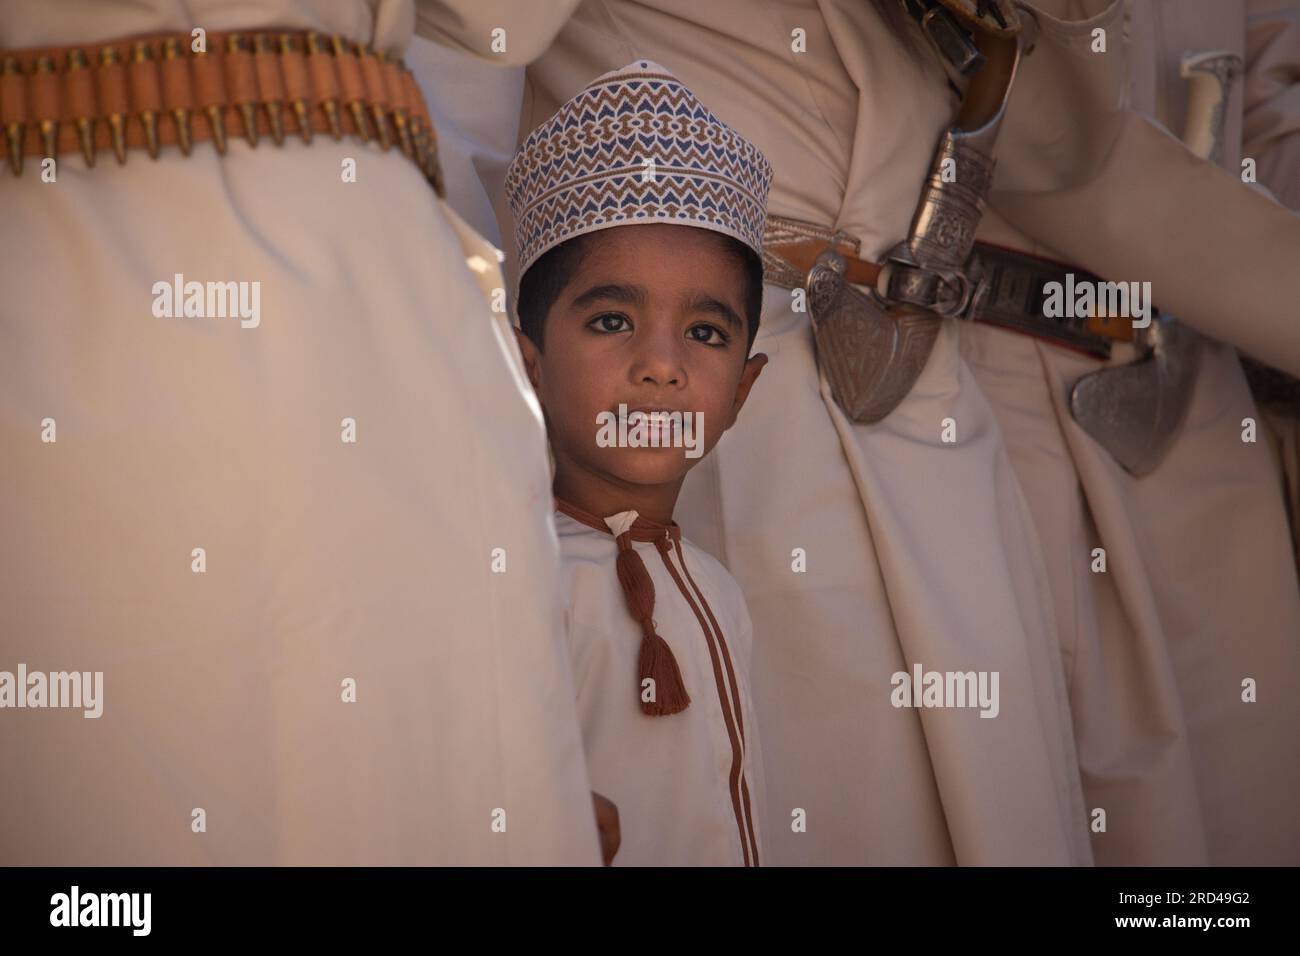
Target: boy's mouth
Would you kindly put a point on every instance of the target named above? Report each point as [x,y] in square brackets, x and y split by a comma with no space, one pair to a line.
[652,426]
[658,420]
[653,413]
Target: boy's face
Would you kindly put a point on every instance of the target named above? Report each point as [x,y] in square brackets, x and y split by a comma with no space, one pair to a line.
[652,319]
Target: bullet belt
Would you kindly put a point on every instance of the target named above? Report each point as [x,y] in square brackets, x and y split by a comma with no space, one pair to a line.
[1008,287]
[153,91]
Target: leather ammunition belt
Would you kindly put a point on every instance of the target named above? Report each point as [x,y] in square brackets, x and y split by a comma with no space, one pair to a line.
[152,91]
[1006,288]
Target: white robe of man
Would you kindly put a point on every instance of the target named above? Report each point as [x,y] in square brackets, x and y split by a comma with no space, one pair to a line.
[1182,655]
[688,786]
[1271,135]
[921,546]
[313,558]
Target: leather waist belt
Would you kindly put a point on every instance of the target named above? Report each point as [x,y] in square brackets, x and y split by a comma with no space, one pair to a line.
[153,91]
[1271,386]
[1011,284]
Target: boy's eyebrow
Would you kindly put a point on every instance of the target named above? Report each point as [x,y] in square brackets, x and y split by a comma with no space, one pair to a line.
[636,295]
[611,291]
[703,302]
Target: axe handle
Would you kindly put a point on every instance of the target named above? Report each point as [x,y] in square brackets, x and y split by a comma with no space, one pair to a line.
[1209,75]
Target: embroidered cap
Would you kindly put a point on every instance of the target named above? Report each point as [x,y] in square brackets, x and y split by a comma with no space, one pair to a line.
[635,146]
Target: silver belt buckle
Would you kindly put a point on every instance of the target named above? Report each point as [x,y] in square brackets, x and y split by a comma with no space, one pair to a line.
[944,290]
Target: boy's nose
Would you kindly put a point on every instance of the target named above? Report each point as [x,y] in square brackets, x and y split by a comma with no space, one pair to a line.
[659,362]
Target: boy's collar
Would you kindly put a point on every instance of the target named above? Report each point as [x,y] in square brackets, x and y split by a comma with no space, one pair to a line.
[643,529]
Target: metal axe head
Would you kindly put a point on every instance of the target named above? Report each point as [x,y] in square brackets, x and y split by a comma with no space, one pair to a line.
[870,357]
[1134,410]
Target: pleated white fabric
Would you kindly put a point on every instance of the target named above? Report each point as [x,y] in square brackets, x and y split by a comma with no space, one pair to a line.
[332,567]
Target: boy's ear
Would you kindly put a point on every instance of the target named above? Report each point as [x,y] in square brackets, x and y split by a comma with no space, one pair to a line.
[753,366]
[531,356]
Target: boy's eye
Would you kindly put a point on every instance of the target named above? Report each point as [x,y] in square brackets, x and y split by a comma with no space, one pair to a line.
[707,334]
[609,322]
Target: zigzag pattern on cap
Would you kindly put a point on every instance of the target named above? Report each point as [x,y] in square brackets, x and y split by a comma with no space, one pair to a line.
[635,146]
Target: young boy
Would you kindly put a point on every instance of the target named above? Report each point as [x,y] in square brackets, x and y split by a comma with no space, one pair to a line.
[639,221]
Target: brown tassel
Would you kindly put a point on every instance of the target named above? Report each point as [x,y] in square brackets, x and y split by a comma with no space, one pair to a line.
[656,661]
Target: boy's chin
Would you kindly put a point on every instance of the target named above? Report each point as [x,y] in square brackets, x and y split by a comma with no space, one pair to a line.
[650,466]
